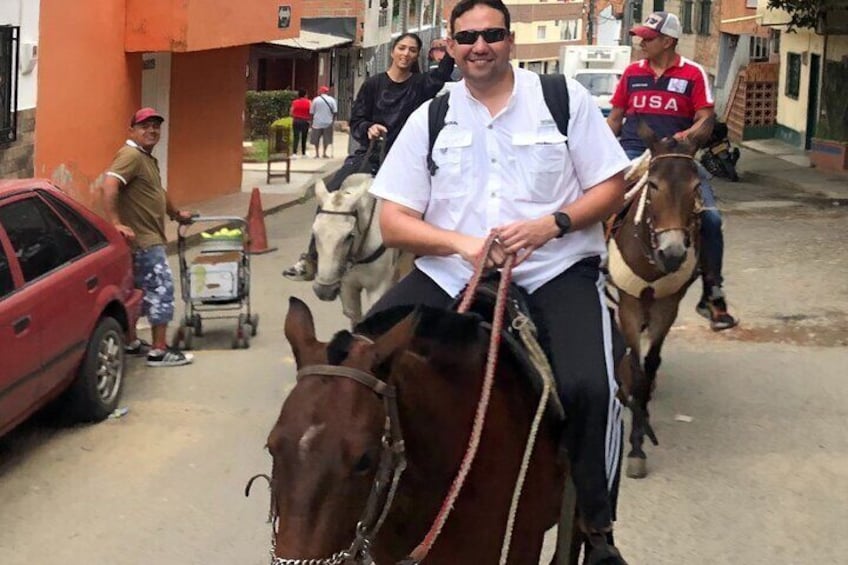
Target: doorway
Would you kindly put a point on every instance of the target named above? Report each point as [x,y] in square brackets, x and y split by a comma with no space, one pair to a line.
[813,99]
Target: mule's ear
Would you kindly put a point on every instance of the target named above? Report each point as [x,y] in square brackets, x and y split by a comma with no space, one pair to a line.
[299,327]
[646,134]
[321,193]
[699,137]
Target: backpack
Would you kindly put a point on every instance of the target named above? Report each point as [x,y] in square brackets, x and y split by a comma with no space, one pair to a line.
[554,90]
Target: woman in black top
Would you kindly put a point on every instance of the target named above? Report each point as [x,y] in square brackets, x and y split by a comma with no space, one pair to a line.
[386,100]
[382,106]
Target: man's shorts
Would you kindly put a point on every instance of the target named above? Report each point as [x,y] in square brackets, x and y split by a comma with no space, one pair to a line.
[153,276]
[317,134]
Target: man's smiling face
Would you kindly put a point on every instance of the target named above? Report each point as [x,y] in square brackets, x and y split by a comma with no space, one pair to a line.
[481,62]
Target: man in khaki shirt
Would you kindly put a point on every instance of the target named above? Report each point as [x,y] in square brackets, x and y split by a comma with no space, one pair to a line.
[136,203]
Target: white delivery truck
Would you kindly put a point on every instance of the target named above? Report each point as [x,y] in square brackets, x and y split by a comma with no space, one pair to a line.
[597,67]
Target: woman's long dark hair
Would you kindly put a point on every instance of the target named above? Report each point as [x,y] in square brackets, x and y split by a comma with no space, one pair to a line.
[415,67]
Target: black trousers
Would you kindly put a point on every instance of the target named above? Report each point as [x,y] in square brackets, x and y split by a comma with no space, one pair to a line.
[300,131]
[580,331]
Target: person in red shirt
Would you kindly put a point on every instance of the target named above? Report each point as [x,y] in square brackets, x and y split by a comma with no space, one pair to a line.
[300,112]
[672,95]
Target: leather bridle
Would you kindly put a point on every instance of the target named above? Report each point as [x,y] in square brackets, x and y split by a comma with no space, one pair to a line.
[354,256]
[653,240]
[390,468]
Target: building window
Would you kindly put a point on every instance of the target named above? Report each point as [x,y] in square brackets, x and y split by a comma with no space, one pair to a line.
[774,35]
[687,16]
[570,30]
[704,17]
[9,37]
[750,3]
[659,5]
[540,32]
[793,75]
[396,19]
[759,49]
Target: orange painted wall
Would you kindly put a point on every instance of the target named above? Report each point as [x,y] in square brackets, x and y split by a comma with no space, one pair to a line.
[194,25]
[88,88]
[207,103]
[732,9]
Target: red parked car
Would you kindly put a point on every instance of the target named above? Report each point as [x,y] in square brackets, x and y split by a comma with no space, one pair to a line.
[66,301]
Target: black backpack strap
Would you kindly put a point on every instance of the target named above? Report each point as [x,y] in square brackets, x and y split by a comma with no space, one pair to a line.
[555,91]
[436,113]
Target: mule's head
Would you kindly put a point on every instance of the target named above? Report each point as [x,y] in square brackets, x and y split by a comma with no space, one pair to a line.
[672,186]
[337,229]
[326,443]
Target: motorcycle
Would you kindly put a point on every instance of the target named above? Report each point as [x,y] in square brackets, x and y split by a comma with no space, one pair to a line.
[719,157]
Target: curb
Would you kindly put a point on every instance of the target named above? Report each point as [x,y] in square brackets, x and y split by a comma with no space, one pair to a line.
[308,194]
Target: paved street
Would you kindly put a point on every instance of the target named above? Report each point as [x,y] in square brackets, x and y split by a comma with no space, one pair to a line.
[756,477]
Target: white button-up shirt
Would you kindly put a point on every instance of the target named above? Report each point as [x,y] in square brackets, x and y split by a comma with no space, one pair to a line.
[496,170]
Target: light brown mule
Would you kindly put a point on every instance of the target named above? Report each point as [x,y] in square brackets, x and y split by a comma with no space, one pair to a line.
[326,444]
[653,258]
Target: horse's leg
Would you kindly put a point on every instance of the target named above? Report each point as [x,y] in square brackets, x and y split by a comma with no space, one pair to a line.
[632,319]
[663,314]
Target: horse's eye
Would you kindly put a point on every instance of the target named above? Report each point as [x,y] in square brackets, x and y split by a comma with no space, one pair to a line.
[653,186]
[365,463]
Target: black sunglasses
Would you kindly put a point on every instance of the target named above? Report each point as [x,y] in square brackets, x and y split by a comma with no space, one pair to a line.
[491,35]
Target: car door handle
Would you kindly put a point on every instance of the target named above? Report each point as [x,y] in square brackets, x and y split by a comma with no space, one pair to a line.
[21,324]
[91,283]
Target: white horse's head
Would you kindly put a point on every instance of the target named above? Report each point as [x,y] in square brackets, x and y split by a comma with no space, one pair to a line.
[339,227]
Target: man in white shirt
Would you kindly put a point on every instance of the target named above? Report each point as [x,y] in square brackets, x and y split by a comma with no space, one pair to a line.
[323,110]
[503,165]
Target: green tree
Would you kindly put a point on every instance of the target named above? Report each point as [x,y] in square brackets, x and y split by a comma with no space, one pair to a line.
[803,13]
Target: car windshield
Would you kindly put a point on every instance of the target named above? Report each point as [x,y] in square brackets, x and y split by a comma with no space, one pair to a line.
[599,84]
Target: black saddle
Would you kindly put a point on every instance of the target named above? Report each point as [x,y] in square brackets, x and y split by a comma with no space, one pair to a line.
[516,311]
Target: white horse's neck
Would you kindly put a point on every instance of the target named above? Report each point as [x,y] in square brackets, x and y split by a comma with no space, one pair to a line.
[369,222]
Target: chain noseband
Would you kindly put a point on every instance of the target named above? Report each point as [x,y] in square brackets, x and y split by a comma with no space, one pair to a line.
[390,468]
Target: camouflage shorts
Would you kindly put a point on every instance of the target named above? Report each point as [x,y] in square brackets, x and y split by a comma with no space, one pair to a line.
[153,276]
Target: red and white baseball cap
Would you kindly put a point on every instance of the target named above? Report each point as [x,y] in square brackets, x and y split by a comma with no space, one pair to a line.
[145,114]
[658,23]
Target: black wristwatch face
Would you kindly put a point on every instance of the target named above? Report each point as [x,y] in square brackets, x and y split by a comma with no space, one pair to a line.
[563,222]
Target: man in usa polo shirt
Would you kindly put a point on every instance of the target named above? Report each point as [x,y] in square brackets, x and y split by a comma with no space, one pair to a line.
[672,95]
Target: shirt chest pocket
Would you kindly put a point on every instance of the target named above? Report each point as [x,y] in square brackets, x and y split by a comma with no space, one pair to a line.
[542,160]
[452,156]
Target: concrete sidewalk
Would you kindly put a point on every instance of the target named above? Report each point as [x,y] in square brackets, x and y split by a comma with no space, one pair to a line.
[276,195]
[771,162]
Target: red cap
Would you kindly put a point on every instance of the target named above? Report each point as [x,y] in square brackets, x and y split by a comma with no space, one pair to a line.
[323,90]
[145,114]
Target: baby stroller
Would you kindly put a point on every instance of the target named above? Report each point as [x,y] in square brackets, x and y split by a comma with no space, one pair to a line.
[215,284]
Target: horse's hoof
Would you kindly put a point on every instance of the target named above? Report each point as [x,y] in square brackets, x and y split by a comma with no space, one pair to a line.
[637,467]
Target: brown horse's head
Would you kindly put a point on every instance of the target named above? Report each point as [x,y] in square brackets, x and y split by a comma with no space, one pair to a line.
[672,187]
[326,443]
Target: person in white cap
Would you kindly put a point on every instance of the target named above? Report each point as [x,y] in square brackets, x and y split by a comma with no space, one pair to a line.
[672,95]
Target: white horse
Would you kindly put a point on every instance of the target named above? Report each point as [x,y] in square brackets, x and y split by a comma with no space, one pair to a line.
[351,255]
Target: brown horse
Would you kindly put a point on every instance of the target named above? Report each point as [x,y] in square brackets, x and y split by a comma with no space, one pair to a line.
[653,258]
[403,392]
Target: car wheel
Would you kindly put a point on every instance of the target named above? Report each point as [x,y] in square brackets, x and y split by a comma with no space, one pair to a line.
[97,388]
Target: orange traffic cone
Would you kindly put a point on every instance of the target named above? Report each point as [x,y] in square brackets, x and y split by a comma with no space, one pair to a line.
[257,240]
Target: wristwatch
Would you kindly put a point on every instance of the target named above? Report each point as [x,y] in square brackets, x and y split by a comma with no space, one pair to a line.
[563,222]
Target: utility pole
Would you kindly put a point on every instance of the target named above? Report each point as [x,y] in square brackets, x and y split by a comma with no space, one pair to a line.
[590,24]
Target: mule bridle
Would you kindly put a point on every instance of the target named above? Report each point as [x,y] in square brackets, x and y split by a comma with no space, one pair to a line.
[389,470]
[354,256]
[645,204]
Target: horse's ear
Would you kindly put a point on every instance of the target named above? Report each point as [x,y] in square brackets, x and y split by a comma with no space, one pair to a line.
[396,339]
[299,327]
[646,134]
[699,137]
[321,193]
